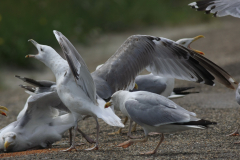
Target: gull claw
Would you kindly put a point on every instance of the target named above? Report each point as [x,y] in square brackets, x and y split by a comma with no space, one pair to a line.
[147,153]
[70,149]
[93,148]
[125,144]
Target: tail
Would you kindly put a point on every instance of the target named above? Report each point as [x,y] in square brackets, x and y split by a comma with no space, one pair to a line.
[198,124]
[108,115]
[181,90]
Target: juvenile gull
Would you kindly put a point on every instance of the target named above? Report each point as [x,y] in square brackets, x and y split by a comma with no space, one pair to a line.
[154,113]
[218,8]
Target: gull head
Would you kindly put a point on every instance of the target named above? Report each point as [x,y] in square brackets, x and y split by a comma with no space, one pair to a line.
[9,140]
[44,51]
[186,42]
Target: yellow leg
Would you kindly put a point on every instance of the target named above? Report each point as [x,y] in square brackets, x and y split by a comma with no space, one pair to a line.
[120,130]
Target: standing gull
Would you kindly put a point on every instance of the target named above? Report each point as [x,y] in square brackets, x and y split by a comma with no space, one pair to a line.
[218,8]
[154,113]
[75,86]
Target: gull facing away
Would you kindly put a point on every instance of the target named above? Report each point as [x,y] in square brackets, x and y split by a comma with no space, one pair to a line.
[161,56]
[75,86]
[154,113]
[2,112]
[218,8]
[44,86]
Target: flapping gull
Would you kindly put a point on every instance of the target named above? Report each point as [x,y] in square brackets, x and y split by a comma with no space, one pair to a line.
[43,86]
[218,8]
[154,113]
[75,85]
[29,131]
[161,57]
[160,85]
[2,112]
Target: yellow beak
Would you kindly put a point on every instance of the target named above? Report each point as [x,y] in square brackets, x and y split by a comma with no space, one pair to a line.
[6,145]
[3,108]
[196,38]
[108,104]
[136,86]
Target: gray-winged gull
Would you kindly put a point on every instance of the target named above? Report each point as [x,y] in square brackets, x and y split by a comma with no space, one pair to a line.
[42,86]
[154,113]
[29,131]
[2,112]
[161,56]
[160,85]
[75,85]
[218,8]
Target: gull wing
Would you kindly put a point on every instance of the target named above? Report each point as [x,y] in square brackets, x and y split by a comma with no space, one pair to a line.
[76,63]
[219,8]
[154,110]
[35,82]
[151,83]
[160,56]
[40,107]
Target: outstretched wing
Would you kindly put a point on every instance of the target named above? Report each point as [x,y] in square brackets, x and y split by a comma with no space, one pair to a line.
[77,65]
[162,57]
[218,8]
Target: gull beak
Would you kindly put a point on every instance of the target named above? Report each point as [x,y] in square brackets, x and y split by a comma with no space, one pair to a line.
[194,39]
[136,86]
[108,104]
[35,44]
[3,108]
[6,145]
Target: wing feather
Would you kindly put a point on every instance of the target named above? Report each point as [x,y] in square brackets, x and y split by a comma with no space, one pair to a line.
[160,56]
[76,62]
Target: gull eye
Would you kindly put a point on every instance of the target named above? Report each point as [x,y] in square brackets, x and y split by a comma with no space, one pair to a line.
[183,42]
[41,49]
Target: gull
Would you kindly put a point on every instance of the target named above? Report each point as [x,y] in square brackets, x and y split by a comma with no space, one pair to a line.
[160,85]
[2,112]
[161,56]
[38,126]
[218,8]
[75,85]
[44,86]
[154,113]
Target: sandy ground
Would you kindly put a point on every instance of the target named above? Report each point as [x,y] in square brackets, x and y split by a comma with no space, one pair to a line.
[221,45]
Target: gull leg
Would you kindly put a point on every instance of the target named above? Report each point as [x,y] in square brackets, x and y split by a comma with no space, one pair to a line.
[70,136]
[96,145]
[86,137]
[235,133]
[120,129]
[73,146]
[129,134]
[131,141]
[155,150]
[134,129]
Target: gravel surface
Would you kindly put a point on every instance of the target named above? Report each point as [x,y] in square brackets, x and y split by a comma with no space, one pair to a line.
[217,103]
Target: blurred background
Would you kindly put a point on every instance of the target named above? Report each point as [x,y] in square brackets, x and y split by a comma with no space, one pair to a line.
[96,28]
